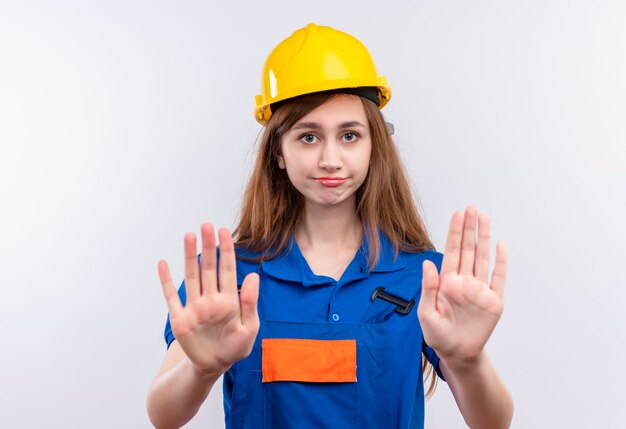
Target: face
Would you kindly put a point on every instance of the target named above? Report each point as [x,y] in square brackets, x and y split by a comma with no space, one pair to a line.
[327,152]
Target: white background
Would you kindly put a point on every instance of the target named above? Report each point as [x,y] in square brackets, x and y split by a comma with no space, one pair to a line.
[125,124]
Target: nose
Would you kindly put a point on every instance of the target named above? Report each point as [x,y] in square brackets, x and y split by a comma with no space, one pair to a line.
[330,157]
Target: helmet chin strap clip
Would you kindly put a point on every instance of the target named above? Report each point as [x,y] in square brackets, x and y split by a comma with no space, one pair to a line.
[390,128]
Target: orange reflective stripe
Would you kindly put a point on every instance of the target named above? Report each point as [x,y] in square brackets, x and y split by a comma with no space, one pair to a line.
[321,361]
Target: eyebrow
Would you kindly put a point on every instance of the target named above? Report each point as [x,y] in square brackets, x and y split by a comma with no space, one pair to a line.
[316,126]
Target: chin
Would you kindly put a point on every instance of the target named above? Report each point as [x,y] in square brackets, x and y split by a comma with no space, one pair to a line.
[330,202]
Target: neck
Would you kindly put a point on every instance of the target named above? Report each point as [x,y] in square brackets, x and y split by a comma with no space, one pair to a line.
[332,228]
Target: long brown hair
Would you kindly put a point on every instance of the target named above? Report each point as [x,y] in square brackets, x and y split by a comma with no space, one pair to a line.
[272,207]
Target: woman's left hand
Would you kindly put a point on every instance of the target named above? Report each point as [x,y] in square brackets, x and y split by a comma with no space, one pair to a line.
[459,309]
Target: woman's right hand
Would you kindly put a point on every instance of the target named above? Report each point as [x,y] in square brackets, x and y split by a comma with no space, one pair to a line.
[217,326]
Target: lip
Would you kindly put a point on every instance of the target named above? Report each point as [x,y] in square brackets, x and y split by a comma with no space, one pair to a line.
[330,181]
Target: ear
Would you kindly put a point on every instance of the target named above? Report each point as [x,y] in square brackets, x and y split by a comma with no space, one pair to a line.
[281,162]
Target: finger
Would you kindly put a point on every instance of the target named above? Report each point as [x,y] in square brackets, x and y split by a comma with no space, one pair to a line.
[169,291]
[227,265]
[192,279]
[430,284]
[452,252]
[208,260]
[468,243]
[481,266]
[498,277]
[248,298]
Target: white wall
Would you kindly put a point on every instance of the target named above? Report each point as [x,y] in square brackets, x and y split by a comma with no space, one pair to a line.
[123,125]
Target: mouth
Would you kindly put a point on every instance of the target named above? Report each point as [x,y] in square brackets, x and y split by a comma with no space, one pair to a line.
[330,181]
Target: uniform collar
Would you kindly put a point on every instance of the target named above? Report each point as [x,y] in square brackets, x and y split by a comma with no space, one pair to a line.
[387,261]
[290,264]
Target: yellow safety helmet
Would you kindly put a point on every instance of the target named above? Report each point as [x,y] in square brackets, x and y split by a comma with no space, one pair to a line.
[315,59]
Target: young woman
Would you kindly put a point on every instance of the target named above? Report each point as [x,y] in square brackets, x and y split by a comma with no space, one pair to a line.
[322,310]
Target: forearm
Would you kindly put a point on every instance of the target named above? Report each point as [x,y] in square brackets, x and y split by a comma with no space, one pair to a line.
[480,393]
[176,395]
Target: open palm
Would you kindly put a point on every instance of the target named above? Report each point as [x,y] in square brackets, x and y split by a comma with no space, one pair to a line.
[458,308]
[217,326]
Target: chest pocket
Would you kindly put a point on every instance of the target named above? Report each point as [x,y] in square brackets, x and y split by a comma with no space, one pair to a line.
[309,383]
[325,375]
[309,375]
[339,376]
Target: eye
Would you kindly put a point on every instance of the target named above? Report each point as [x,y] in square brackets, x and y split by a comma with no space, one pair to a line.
[350,136]
[308,138]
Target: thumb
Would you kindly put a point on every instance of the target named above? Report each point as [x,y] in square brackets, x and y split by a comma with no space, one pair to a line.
[430,284]
[248,298]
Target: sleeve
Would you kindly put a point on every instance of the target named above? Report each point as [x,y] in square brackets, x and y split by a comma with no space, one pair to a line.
[432,357]
[429,352]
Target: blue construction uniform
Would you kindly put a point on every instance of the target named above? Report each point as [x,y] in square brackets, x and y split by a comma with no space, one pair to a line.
[296,303]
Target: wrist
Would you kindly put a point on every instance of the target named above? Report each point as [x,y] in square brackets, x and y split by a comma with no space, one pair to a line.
[212,372]
[462,362]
